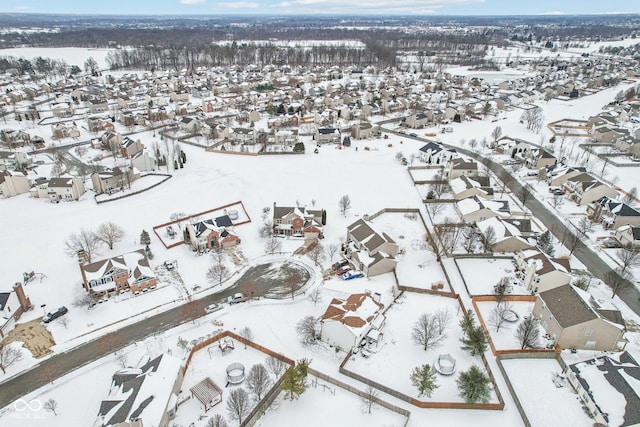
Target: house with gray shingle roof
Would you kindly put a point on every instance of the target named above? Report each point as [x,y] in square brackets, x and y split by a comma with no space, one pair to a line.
[573,319]
[369,250]
[119,274]
[298,221]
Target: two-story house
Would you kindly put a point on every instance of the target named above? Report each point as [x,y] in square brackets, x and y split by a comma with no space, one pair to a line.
[12,305]
[298,221]
[66,189]
[371,251]
[212,233]
[118,274]
[13,183]
[612,214]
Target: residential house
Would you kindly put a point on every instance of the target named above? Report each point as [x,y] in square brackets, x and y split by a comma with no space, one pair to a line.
[190,125]
[370,251]
[540,158]
[417,120]
[144,396]
[327,135]
[12,305]
[97,106]
[348,322]
[509,236]
[67,189]
[541,273]
[628,235]
[62,110]
[472,209]
[244,135]
[144,161]
[584,189]
[457,167]
[612,214]
[363,130]
[298,221]
[64,130]
[435,153]
[113,180]
[212,233]
[130,148]
[574,320]
[558,174]
[13,183]
[119,274]
[464,186]
[14,160]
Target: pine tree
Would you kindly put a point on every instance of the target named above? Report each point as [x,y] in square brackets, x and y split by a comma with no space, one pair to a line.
[424,379]
[474,341]
[294,381]
[474,385]
[147,250]
[467,322]
[144,238]
[545,243]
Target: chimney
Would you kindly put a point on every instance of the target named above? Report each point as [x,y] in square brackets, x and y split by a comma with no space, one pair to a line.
[377,297]
[25,302]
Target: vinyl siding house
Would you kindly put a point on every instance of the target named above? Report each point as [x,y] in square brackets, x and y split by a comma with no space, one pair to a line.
[327,135]
[130,148]
[573,320]
[347,322]
[111,181]
[584,189]
[118,274]
[13,183]
[541,273]
[508,237]
[612,214]
[628,235]
[435,153]
[212,233]
[458,167]
[472,209]
[370,251]
[464,186]
[298,221]
[65,189]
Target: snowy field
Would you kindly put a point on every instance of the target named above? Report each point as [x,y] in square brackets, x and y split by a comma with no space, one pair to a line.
[504,337]
[73,55]
[531,380]
[493,269]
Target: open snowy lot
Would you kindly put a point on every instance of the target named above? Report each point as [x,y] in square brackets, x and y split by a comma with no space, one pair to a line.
[482,274]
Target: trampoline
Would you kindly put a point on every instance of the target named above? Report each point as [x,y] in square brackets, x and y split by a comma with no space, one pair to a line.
[235,373]
[446,364]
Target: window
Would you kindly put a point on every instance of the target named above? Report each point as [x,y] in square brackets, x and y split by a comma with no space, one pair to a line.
[588,332]
[590,344]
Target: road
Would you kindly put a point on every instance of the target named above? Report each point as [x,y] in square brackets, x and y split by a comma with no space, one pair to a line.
[627,292]
[60,364]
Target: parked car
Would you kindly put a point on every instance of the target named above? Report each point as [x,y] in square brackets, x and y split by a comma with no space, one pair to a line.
[212,307]
[356,274]
[341,263]
[236,298]
[340,271]
[52,315]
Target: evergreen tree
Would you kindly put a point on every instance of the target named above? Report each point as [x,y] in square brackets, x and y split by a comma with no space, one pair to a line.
[468,322]
[424,379]
[147,250]
[144,238]
[294,381]
[474,385]
[474,341]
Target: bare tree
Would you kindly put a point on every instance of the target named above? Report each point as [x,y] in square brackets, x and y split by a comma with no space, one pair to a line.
[570,240]
[425,332]
[528,332]
[442,319]
[266,230]
[51,405]
[501,288]
[369,399]
[306,329]
[238,402]
[524,195]
[217,273]
[496,133]
[630,197]
[331,249]
[557,200]
[585,226]
[317,254]
[629,257]
[615,279]
[490,237]
[9,355]
[315,295]
[258,381]
[110,233]
[533,118]
[64,321]
[217,421]
[247,334]
[85,240]
[121,358]
[344,204]
[498,315]
[435,209]
[275,366]
[272,245]
[439,186]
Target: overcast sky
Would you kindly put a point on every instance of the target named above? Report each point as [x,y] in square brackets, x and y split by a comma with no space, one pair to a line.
[301,7]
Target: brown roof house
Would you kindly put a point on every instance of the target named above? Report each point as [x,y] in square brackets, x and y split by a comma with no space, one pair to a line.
[371,251]
[212,233]
[298,221]
[118,274]
[574,320]
[541,273]
[347,322]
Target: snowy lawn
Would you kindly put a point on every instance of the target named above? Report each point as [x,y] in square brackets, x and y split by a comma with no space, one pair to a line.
[392,362]
[482,274]
[311,410]
[429,174]
[505,338]
[531,380]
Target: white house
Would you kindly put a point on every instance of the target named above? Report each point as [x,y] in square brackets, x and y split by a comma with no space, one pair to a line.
[348,322]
